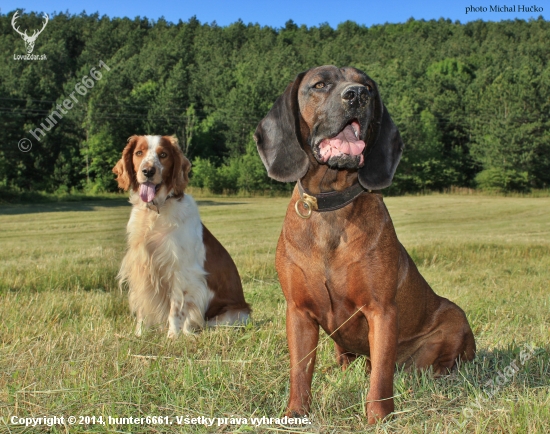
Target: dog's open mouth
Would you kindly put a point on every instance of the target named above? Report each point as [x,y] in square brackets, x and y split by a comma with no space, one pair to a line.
[147,191]
[345,143]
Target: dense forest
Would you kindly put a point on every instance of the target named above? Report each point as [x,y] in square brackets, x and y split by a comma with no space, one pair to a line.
[472,101]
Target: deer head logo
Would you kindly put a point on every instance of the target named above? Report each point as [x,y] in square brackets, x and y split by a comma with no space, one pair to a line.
[29,40]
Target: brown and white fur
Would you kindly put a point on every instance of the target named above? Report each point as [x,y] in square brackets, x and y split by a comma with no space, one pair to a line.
[176,270]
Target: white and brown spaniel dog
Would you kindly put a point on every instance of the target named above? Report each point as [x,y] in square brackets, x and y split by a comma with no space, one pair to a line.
[175,269]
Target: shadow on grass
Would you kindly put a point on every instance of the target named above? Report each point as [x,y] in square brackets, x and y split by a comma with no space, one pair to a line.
[62,206]
[530,363]
[493,371]
[27,208]
[214,203]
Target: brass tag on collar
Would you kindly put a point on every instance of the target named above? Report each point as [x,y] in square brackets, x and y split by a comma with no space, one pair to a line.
[309,203]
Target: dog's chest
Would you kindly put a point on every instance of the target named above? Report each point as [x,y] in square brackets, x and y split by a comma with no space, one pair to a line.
[340,262]
[173,236]
[333,241]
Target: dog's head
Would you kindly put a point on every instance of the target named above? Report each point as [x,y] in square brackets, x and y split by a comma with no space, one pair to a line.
[154,166]
[336,117]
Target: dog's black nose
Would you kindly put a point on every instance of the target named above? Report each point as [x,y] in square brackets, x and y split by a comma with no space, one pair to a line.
[148,172]
[354,95]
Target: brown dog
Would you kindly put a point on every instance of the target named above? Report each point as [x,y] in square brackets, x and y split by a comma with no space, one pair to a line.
[339,261]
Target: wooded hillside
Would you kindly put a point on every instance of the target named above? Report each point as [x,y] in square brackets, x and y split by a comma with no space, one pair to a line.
[472,101]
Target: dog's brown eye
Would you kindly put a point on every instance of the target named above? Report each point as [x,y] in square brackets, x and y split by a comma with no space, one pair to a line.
[138,153]
[163,155]
[319,85]
[369,88]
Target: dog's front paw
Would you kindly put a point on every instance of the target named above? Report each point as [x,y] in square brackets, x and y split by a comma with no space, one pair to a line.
[379,410]
[172,334]
[295,413]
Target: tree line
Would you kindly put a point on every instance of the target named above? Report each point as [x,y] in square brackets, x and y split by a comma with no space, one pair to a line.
[472,101]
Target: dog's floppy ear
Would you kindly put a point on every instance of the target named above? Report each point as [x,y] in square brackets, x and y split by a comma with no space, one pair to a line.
[124,168]
[277,137]
[180,169]
[384,149]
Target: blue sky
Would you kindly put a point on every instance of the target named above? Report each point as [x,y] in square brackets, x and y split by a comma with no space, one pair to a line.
[276,13]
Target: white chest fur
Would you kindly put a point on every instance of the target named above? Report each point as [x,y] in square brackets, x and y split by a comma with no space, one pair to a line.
[164,265]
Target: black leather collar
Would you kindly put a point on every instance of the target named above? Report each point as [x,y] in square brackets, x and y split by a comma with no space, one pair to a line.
[329,201]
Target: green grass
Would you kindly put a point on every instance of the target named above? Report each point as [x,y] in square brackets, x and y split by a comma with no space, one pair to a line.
[67,348]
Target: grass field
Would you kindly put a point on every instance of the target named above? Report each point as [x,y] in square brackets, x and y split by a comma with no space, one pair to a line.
[67,346]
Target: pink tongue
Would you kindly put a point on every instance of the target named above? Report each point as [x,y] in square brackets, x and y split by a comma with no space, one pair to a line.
[344,143]
[147,192]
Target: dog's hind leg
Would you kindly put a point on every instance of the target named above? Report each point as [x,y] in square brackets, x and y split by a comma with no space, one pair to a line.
[231,317]
[451,340]
[343,357]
